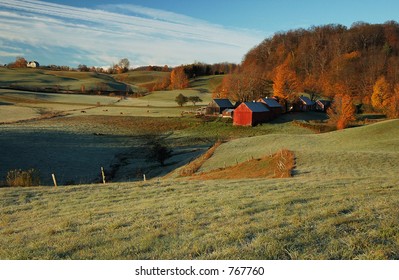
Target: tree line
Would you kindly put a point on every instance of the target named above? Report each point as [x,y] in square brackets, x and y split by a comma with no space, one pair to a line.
[360,62]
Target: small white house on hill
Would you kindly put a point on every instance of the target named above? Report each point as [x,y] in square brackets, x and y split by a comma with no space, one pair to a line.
[33,64]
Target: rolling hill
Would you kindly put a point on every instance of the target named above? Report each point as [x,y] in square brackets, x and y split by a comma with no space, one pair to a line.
[341,204]
[47,80]
[364,151]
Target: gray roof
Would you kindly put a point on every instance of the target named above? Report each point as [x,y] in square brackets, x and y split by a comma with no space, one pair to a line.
[256,107]
[324,102]
[306,100]
[272,103]
[223,102]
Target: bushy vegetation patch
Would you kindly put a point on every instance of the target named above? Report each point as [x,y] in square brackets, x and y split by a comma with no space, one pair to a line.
[23,178]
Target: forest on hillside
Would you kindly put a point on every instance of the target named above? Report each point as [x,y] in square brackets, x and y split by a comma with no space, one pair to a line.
[361,61]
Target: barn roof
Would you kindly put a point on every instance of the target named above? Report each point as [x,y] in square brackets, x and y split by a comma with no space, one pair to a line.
[306,100]
[324,102]
[223,102]
[270,102]
[256,107]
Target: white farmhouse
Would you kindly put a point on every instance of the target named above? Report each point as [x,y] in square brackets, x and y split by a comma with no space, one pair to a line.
[33,64]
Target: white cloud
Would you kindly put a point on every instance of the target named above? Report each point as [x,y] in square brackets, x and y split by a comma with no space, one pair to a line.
[145,36]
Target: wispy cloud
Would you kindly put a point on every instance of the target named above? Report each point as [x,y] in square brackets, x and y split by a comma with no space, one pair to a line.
[103,35]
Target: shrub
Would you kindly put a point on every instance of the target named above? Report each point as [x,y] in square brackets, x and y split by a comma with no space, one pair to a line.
[22,178]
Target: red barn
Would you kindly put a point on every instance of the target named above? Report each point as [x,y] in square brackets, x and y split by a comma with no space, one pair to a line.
[251,114]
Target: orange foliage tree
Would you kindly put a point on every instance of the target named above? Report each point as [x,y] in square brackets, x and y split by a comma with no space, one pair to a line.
[243,87]
[20,62]
[162,85]
[381,94]
[222,90]
[178,78]
[342,111]
[286,84]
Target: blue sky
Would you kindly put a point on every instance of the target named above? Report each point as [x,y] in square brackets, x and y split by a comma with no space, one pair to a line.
[158,32]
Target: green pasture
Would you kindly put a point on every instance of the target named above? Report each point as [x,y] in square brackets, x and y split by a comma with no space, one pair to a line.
[371,150]
[155,104]
[241,219]
[38,79]
[342,203]
[141,77]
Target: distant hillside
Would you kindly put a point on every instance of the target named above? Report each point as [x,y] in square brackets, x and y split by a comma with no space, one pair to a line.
[326,60]
[58,81]
[142,81]
[42,80]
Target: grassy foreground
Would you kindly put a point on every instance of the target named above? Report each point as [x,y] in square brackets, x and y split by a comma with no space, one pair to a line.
[247,219]
[342,203]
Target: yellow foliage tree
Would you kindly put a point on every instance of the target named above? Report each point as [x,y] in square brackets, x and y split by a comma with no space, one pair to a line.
[178,79]
[381,94]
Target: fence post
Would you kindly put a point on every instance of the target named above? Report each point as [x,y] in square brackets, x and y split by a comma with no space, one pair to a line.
[102,174]
[144,178]
[54,180]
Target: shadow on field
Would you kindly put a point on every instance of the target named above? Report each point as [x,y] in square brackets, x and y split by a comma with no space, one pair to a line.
[301,116]
[77,158]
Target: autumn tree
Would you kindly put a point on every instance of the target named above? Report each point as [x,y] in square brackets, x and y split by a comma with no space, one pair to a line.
[181,99]
[19,62]
[286,84]
[246,86]
[178,78]
[222,90]
[381,94]
[342,111]
[164,84]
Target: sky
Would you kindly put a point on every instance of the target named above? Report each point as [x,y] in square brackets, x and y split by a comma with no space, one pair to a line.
[164,32]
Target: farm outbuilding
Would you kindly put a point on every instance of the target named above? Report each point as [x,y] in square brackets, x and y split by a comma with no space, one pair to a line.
[251,114]
[228,113]
[218,105]
[272,105]
[322,105]
[304,104]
